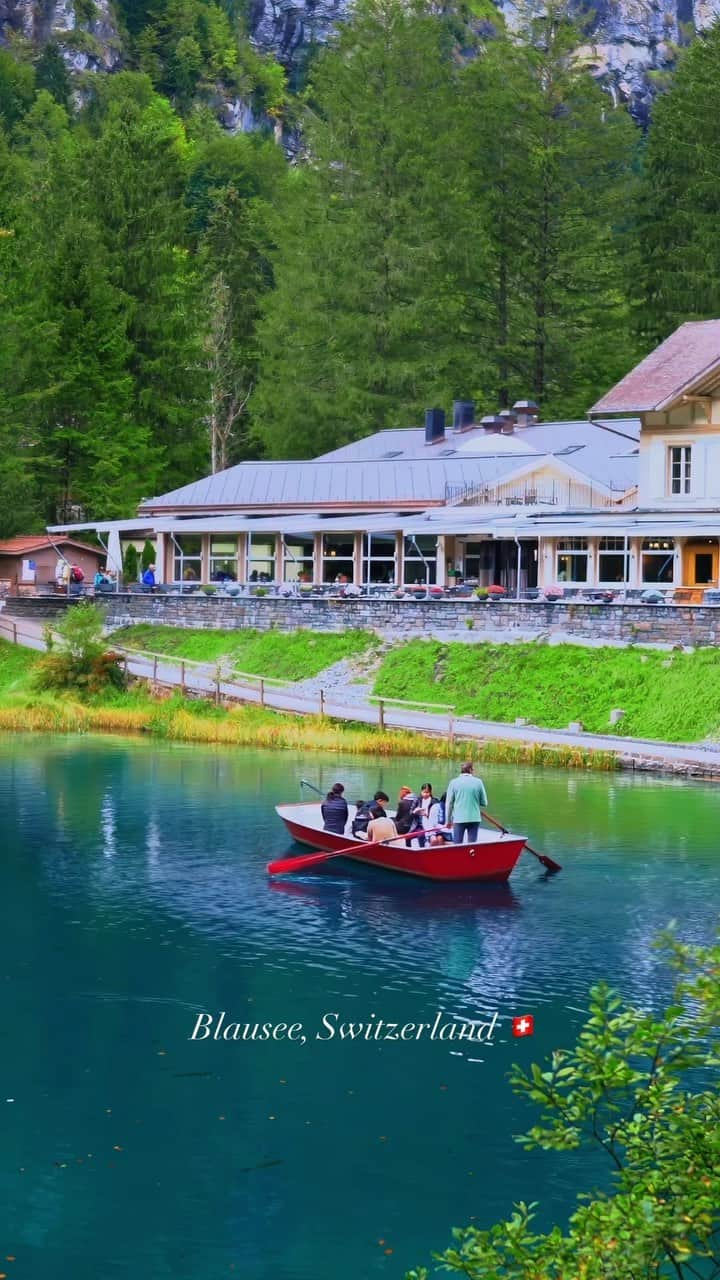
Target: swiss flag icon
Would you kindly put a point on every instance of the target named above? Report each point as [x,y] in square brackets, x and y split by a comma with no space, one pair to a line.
[523,1026]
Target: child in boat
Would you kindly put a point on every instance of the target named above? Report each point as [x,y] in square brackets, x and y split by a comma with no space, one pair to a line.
[380,826]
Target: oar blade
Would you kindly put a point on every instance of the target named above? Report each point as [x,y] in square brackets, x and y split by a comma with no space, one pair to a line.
[282,865]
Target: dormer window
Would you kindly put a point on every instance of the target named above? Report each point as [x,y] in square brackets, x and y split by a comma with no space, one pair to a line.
[679,469]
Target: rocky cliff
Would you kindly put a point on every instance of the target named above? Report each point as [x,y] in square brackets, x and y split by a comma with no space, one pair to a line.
[631,45]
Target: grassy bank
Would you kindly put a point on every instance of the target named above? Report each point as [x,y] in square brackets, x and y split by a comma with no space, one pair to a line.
[674,697]
[192,720]
[295,656]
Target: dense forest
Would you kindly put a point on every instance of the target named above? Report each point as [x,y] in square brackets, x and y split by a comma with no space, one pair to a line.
[462,213]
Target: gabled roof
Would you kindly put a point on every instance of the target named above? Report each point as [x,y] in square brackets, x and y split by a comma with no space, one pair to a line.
[22,546]
[688,360]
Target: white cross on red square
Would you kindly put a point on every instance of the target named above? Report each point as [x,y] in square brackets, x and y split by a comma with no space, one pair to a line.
[523,1026]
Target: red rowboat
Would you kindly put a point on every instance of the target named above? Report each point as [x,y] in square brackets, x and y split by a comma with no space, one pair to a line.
[490,857]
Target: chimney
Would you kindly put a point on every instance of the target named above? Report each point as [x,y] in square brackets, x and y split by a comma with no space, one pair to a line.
[492,423]
[526,412]
[508,418]
[434,426]
[463,414]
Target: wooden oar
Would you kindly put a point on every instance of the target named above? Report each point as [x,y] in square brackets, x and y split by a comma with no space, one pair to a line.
[541,857]
[310,859]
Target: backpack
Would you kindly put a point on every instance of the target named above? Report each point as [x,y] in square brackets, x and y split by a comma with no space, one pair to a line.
[76,574]
[361,821]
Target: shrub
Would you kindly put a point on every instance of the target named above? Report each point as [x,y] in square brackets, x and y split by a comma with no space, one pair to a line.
[81,660]
[209,590]
[148,555]
[131,564]
[481,593]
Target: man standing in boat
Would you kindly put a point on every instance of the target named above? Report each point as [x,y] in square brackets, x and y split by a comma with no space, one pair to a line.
[466,797]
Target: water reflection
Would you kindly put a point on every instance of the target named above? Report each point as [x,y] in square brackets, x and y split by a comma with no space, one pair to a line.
[136,894]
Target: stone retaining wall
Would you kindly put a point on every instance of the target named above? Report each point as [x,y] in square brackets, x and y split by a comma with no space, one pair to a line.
[686,625]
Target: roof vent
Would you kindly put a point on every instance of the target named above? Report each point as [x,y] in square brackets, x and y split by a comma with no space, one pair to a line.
[463,414]
[492,423]
[434,426]
[508,418]
[526,412]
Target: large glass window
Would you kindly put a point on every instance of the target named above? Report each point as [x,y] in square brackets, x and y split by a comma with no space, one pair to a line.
[613,561]
[187,558]
[338,564]
[657,560]
[679,468]
[261,557]
[298,557]
[572,560]
[223,559]
[379,558]
[420,559]
[479,559]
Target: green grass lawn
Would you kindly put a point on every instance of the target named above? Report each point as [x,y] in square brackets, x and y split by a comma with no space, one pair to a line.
[671,696]
[287,656]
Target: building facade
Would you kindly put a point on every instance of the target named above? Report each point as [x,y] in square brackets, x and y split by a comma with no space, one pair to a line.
[626,500]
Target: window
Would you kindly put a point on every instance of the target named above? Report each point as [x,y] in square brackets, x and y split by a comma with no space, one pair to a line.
[420,559]
[223,559]
[338,551]
[572,560]
[379,559]
[298,557]
[657,561]
[261,557]
[187,558]
[679,468]
[613,560]
[479,559]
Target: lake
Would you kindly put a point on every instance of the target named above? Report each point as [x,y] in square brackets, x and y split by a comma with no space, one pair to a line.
[135,897]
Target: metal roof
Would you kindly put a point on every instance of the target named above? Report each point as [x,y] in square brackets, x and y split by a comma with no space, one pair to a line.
[691,355]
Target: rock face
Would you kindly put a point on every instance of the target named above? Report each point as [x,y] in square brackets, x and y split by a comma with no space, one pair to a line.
[87,43]
[630,44]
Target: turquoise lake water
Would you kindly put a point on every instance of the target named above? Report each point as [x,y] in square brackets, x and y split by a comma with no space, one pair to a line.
[134,896]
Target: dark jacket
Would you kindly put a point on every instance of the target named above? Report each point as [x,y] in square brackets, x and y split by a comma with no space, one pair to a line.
[404,818]
[335,815]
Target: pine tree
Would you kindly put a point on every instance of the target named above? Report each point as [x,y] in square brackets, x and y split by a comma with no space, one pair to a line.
[553,183]
[680,201]
[377,251]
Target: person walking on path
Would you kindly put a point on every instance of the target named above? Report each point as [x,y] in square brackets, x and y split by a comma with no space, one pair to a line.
[466,797]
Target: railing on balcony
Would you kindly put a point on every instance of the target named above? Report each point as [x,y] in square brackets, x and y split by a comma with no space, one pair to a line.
[552,494]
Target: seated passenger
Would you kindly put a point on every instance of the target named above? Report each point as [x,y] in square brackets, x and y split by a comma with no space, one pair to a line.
[381,827]
[405,818]
[334,812]
[436,818]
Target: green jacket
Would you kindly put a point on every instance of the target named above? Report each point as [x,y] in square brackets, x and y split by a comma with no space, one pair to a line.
[465,799]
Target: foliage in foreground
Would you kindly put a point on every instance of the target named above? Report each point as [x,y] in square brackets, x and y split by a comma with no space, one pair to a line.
[81,662]
[674,697]
[644,1089]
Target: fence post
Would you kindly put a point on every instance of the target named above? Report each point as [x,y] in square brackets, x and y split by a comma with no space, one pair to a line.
[125,664]
[451,728]
[15,639]
[322,702]
[262,692]
[381,714]
[182,678]
[217,691]
[155,667]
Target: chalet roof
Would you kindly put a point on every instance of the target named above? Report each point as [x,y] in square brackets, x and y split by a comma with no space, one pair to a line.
[397,469]
[24,545]
[688,360]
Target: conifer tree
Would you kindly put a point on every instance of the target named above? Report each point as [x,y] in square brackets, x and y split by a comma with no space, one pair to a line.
[377,251]
[679,220]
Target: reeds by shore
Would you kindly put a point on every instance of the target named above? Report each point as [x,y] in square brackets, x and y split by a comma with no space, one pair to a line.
[176,720]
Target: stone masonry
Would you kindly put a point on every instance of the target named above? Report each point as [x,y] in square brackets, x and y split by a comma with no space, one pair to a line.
[611,624]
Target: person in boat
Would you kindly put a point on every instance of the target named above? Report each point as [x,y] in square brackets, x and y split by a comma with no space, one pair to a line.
[363,813]
[466,798]
[405,816]
[381,827]
[334,810]
[435,819]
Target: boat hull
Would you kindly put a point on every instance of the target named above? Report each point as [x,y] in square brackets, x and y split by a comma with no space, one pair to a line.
[492,857]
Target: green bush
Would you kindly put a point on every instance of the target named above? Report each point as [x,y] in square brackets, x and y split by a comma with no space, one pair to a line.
[131,564]
[80,661]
